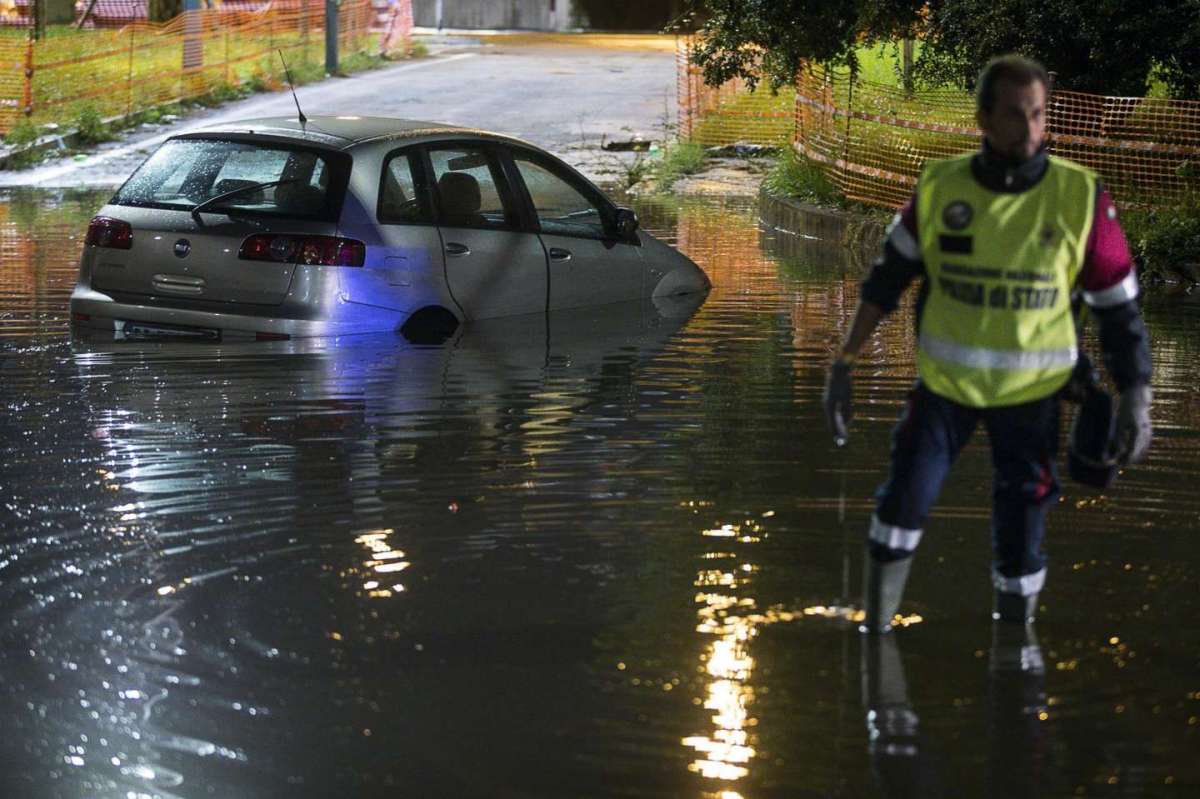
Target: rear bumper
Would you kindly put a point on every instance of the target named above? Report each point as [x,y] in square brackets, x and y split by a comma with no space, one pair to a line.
[97,311]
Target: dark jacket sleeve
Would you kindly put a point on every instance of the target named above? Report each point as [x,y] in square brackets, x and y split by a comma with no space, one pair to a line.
[899,264]
[1110,289]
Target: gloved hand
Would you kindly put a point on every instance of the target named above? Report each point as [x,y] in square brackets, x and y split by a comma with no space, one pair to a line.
[1131,437]
[837,398]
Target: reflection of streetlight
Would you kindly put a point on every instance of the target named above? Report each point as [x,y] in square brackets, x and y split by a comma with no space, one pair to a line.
[384,560]
[733,621]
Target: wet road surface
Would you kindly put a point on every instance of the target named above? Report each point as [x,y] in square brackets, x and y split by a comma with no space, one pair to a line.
[605,555]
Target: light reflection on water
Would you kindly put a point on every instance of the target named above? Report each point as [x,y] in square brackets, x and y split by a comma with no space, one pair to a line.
[604,555]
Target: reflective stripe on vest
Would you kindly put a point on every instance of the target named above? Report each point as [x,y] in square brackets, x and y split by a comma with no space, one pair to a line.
[996,327]
[983,358]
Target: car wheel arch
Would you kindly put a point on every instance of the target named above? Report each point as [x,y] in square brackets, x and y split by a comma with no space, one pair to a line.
[432,324]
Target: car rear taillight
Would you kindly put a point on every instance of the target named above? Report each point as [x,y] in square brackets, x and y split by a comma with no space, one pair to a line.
[310,250]
[104,231]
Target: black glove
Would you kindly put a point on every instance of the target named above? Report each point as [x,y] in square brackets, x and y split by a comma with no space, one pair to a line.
[837,398]
[1131,439]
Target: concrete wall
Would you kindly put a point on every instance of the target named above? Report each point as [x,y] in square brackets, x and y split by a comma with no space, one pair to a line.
[842,242]
[546,15]
[59,12]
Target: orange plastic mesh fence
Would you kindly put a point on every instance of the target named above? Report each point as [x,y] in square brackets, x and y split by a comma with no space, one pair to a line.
[138,66]
[872,139]
[730,113]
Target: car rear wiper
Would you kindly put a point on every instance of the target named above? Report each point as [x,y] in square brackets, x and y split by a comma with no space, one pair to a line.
[196,209]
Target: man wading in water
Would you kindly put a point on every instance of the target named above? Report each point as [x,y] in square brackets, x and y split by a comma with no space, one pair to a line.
[1002,238]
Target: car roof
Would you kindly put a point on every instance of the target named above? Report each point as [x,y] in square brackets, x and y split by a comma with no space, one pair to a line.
[343,131]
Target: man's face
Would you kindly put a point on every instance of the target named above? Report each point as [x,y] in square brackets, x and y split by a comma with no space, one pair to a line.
[1016,124]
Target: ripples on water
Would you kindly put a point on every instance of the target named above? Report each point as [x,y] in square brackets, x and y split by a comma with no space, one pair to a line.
[609,554]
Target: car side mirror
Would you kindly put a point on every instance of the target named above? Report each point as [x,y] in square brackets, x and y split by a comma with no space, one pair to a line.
[626,223]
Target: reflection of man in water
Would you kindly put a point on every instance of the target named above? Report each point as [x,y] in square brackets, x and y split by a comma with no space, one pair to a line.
[907,764]
[1002,239]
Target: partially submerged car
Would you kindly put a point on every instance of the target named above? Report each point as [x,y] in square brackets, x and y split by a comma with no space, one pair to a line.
[278,228]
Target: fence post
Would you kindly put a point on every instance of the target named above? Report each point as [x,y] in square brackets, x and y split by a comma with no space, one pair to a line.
[846,143]
[797,113]
[907,67]
[27,96]
[331,36]
[129,75]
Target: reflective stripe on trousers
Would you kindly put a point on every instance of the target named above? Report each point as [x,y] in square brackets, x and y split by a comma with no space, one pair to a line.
[893,537]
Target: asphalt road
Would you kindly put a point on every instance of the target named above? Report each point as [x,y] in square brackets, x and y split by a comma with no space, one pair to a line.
[567,97]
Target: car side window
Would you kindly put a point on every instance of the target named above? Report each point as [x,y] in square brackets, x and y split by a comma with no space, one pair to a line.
[402,197]
[468,185]
[561,208]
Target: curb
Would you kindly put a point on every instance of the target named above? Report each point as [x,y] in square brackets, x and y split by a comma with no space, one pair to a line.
[70,139]
[58,141]
[854,237]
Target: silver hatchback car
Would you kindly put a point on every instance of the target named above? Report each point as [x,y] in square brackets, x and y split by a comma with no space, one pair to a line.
[273,228]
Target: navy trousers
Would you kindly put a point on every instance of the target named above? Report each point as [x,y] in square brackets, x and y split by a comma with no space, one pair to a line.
[925,444]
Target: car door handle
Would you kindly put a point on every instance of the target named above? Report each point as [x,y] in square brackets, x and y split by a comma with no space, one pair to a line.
[559,254]
[456,250]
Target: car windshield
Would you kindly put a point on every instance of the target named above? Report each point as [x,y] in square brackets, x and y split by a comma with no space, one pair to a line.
[186,172]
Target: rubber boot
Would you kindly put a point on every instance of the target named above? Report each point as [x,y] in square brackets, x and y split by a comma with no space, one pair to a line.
[1014,608]
[883,588]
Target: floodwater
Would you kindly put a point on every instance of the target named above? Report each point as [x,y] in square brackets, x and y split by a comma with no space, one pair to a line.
[604,555]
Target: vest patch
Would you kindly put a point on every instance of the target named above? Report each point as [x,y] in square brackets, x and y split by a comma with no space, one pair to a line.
[959,244]
[957,215]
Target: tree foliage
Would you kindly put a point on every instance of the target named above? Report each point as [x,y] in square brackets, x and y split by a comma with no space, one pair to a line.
[163,10]
[771,39]
[1101,46]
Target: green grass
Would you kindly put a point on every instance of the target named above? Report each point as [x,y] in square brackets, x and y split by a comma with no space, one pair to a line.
[882,62]
[795,176]
[1164,237]
[111,73]
[90,127]
[678,159]
[416,49]
[24,133]
[800,178]
[86,77]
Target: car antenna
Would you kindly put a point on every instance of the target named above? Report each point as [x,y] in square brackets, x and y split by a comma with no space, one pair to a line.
[292,86]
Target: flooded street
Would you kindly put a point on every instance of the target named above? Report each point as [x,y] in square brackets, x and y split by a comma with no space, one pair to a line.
[611,553]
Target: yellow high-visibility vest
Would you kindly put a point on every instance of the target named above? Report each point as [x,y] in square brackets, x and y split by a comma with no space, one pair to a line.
[997,327]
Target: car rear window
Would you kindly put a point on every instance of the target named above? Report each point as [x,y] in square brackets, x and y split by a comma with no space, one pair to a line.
[185,172]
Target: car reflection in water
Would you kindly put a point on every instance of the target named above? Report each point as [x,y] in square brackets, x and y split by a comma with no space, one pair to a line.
[263,500]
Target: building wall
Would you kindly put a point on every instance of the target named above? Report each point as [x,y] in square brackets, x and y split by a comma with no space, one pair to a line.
[494,14]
